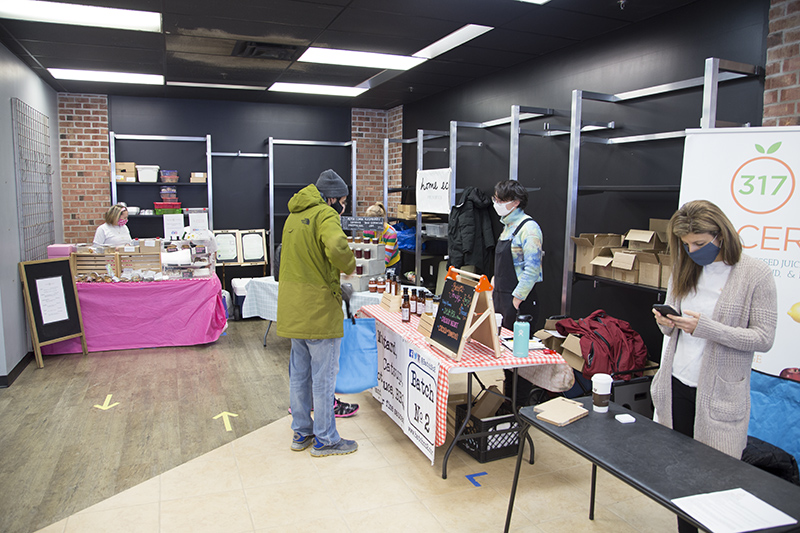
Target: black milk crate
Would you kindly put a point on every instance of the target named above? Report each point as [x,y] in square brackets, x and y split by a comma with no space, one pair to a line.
[489,447]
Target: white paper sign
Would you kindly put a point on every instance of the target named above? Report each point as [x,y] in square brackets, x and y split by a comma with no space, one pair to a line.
[433,190]
[252,247]
[407,388]
[733,511]
[226,247]
[52,302]
[173,226]
[198,221]
[752,174]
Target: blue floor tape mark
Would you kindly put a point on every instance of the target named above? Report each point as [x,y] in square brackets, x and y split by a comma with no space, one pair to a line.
[472,477]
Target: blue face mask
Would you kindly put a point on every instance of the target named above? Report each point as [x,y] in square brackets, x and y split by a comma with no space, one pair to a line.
[705,255]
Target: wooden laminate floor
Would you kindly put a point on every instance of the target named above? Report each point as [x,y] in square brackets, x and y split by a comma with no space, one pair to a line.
[158,461]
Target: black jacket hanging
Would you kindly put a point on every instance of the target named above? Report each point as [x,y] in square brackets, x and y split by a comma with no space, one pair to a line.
[469,232]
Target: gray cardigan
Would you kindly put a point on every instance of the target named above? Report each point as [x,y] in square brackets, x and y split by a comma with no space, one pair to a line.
[743,322]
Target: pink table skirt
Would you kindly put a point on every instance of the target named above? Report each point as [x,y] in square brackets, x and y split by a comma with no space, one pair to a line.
[121,316]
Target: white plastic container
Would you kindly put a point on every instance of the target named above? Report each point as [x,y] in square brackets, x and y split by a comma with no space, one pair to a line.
[147,173]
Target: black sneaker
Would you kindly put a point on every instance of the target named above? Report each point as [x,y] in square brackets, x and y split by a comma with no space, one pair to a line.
[344,410]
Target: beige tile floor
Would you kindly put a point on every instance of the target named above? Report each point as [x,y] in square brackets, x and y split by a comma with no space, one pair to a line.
[257,484]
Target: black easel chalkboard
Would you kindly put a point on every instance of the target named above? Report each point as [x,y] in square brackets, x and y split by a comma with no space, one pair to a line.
[451,318]
[51,303]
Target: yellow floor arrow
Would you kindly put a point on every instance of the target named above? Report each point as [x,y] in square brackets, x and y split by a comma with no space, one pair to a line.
[106,406]
[226,418]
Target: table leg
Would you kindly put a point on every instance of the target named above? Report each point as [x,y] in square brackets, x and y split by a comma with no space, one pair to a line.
[269,323]
[523,435]
[594,484]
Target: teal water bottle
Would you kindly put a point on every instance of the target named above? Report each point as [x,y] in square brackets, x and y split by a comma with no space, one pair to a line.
[522,334]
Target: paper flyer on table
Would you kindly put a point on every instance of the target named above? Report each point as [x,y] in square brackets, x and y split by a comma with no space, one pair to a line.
[732,511]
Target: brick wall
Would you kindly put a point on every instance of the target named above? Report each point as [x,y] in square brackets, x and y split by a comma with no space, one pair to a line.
[83,146]
[369,128]
[782,84]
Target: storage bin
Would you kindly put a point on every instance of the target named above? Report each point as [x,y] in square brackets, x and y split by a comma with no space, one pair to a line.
[169,176]
[147,173]
[489,447]
[167,205]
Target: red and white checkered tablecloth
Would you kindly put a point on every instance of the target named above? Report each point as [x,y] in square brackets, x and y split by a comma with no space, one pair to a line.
[474,357]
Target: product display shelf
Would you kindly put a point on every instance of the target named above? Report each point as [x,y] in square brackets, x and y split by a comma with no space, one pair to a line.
[119,188]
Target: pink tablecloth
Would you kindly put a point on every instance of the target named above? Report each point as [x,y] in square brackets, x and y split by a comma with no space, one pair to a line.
[474,357]
[120,316]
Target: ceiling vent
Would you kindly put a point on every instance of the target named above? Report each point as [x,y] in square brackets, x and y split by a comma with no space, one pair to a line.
[256,50]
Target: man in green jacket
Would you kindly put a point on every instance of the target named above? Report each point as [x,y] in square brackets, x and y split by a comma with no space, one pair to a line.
[314,252]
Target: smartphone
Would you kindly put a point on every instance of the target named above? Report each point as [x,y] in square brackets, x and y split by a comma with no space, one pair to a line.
[666,309]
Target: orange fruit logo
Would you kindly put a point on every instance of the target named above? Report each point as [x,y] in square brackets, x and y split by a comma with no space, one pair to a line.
[763,184]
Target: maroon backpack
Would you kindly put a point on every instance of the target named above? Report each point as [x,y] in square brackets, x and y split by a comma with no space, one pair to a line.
[608,345]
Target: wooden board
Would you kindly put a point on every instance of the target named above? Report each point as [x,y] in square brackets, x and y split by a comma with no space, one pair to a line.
[88,263]
[560,411]
[140,261]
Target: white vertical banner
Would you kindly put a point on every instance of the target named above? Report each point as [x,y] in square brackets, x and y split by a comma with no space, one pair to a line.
[751,174]
[433,190]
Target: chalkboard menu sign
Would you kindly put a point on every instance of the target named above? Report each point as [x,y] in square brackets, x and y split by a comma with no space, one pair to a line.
[451,318]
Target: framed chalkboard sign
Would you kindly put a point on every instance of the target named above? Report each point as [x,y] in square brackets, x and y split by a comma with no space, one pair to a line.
[51,303]
[362,224]
[465,311]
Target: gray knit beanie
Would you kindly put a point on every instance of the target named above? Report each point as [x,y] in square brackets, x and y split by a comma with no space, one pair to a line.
[331,185]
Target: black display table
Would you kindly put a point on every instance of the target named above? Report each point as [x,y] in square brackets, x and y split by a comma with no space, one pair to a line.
[659,462]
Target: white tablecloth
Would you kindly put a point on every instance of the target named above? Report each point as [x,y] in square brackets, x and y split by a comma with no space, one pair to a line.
[262,299]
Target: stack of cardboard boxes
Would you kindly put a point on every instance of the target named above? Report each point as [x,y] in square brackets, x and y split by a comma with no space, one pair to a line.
[644,261]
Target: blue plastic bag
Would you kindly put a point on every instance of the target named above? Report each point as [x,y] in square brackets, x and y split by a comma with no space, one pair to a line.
[358,357]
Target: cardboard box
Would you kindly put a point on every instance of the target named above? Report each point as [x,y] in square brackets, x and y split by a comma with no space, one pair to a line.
[588,245]
[407,211]
[60,250]
[625,267]
[659,225]
[571,352]
[488,403]
[640,239]
[550,339]
[125,171]
[665,260]
[602,262]
[649,269]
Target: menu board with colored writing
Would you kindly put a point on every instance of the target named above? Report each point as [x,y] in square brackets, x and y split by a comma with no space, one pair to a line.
[451,318]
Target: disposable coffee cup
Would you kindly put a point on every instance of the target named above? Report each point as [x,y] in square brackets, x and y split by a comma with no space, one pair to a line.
[498,318]
[601,392]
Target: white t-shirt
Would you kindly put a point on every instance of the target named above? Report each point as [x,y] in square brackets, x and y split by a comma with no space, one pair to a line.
[112,235]
[689,351]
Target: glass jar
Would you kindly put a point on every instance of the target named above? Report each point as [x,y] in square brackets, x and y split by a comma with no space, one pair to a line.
[359,269]
[381,284]
[359,253]
[367,253]
[373,285]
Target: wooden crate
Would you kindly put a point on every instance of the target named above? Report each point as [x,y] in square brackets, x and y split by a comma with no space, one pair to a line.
[140,261]
[83,263]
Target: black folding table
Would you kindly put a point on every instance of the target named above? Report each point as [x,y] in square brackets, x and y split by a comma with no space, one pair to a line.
[659,462]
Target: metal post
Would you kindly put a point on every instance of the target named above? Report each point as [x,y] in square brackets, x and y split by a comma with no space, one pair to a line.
[513,156]
[418,240]
[386,174]
[453,156]
[572,198]
[353,154]
[710,88]
[271,208]
[209,184]
[113,153]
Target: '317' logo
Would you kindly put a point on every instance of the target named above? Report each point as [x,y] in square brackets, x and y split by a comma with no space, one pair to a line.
[763,184]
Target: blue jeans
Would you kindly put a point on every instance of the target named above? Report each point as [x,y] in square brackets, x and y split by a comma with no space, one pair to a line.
[313,366]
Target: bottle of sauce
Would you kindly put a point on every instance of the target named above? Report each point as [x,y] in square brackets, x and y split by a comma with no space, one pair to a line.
[388,288]
[405,308]
[413,301]
[421,303]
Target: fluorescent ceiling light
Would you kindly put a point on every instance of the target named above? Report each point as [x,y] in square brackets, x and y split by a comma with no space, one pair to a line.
[215,86]
[457,38]
[540,2]
[307,88]
[79,15]
[112,77]
[352,58]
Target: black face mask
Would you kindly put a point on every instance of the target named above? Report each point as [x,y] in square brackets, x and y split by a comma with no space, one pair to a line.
[339,208]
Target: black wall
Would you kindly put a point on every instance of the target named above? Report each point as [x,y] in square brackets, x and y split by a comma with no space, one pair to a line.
[240,184]
[665,49]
